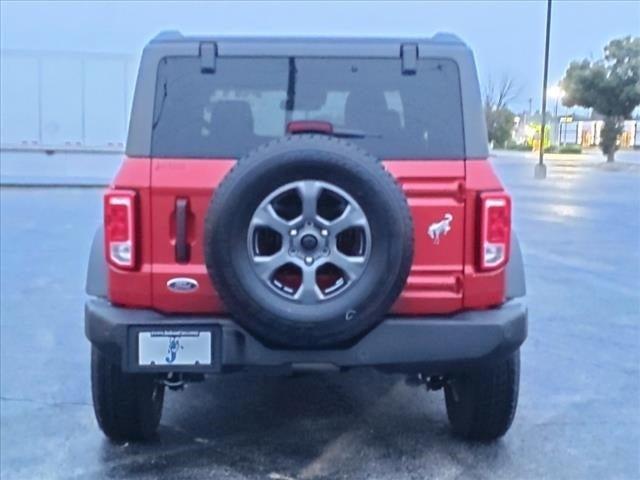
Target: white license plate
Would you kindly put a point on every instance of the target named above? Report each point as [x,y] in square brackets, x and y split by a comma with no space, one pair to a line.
[174,347]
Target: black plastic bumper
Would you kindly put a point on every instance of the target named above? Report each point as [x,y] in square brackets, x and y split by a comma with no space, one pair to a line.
[433,344]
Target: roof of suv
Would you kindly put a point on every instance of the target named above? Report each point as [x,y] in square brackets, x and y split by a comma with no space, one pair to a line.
[176,36]
[312,45]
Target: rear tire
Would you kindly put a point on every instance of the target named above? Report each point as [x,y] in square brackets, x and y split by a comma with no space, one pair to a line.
[127,406]
[481,404]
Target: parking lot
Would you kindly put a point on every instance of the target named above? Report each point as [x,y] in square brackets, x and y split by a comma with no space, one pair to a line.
[579,410]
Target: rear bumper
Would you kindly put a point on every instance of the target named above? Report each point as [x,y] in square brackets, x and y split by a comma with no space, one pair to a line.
[432,344]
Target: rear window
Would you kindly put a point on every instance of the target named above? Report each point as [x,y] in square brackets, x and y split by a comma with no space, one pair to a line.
[249,101]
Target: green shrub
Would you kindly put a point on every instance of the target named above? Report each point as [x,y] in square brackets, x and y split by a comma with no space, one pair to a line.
[522,147]
[570,149]
[563,149]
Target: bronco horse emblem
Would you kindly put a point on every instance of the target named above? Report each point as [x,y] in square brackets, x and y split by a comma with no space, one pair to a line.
[172,352]
[440,228]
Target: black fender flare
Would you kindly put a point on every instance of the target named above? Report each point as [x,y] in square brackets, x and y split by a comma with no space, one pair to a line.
[97,282]
[515,281]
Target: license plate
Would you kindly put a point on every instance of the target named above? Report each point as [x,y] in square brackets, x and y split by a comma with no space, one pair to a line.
[174,347]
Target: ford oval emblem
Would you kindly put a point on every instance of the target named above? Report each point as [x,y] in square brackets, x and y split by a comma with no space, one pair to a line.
[182,285]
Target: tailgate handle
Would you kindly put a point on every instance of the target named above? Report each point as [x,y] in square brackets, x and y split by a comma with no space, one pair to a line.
[183,249]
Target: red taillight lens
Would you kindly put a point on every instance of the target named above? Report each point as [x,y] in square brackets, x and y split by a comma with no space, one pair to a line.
[119,228]
[495,230]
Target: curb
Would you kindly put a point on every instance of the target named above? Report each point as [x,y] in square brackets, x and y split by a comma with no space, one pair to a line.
[50,182]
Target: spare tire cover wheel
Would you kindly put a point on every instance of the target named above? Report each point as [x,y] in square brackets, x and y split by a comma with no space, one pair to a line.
[308,241]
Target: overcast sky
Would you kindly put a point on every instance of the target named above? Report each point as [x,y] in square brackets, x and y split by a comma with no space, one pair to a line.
[507,37]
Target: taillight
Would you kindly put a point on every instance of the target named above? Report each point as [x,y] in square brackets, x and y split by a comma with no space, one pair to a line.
[120,228]
[495,229]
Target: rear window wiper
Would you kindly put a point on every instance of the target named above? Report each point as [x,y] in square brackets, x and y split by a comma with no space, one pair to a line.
[327,128]
[159,105]
[349,133]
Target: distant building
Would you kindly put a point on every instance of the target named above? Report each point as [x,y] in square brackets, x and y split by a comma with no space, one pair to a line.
[586,132]
[573,129]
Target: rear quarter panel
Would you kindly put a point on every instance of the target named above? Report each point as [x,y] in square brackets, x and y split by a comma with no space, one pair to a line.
[481,289]
[133,288]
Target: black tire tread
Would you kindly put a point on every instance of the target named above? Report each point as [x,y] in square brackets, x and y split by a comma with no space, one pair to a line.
[490,403]
[122,402]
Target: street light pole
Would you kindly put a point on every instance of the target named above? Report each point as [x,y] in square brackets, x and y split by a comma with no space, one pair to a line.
[541,169]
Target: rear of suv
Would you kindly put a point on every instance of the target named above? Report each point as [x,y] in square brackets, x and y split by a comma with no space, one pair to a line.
[292,204]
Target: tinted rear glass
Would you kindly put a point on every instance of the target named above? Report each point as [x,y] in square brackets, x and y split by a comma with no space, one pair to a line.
[249,101]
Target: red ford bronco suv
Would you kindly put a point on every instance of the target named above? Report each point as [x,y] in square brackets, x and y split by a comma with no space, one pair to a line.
[306,204]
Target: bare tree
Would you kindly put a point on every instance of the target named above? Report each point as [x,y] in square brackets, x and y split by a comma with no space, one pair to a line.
[498,95]
[499,118]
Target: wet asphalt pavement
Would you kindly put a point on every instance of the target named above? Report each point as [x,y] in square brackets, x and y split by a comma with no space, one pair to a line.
[579,410]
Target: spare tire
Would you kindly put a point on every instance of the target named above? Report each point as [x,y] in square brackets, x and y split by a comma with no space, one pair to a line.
[308,241]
